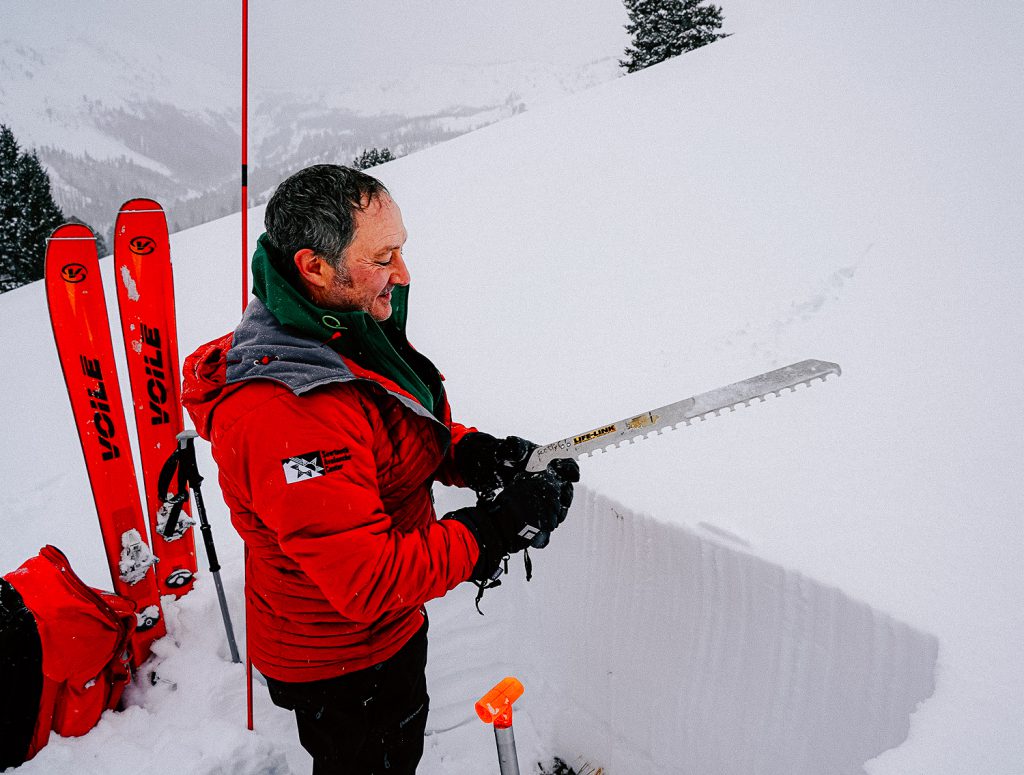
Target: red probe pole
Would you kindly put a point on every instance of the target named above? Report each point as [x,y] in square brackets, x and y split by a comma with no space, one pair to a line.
[245,154]
[245,286]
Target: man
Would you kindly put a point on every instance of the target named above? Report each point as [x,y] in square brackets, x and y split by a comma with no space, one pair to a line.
[329,429]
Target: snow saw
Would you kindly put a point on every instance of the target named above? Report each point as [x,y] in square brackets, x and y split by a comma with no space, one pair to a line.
[685,412]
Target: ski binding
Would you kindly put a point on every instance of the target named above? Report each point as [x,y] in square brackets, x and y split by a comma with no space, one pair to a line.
[183,523]
[136,558]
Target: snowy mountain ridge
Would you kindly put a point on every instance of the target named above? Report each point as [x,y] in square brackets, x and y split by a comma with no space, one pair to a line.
[100,133]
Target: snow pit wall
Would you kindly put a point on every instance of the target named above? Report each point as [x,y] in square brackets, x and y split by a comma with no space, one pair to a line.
[665,651]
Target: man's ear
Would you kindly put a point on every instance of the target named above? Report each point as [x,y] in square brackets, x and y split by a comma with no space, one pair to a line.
[312,269]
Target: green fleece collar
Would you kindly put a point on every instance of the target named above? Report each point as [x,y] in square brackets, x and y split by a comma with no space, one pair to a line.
[380,347]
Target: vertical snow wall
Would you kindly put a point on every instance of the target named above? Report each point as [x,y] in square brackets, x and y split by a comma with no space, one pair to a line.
[652,649]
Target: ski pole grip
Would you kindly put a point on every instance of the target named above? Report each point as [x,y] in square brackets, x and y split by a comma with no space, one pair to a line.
[495,707]
[185,437]
[186,444]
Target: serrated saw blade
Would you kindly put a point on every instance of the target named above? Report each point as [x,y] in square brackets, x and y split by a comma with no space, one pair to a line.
[684,412]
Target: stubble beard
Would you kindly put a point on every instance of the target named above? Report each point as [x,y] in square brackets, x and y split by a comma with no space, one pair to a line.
[342,285]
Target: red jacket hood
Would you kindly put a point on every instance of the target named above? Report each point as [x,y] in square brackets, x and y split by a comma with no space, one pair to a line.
[204,382]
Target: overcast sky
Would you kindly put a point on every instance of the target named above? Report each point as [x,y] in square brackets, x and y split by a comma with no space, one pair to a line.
[315,42]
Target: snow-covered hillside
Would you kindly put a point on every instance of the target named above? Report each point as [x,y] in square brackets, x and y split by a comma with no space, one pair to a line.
[826,582]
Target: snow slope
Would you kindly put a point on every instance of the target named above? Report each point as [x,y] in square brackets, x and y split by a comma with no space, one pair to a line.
[826,582]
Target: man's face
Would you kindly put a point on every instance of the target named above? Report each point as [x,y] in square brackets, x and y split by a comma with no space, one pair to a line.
[372,265]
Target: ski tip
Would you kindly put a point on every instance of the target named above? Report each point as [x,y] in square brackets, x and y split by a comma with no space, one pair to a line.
[74,231]
[141,205]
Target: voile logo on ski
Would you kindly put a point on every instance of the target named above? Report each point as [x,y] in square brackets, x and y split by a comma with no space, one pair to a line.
[311,465]
[73,273]
[98,400]
[156,385]
[142,246]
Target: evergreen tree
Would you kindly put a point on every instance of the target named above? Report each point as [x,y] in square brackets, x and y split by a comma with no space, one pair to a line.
[28,214]
[662,29]
[371,157]
[41,216]
[9,215]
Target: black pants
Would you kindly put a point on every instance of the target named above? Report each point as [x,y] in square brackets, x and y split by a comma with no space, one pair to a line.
[369,722]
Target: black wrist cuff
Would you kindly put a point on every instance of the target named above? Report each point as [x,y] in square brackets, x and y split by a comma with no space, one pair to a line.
[474,460]
[488,539]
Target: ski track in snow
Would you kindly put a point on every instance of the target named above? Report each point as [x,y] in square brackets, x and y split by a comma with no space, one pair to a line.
[764,338]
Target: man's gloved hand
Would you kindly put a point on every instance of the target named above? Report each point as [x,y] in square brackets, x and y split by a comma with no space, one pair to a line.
[561,474]
[523,514]
[487,464]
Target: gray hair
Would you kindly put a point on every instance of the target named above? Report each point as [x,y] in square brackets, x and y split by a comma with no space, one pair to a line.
[315,208]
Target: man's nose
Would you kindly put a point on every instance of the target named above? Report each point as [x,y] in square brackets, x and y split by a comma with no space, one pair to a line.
[399,271]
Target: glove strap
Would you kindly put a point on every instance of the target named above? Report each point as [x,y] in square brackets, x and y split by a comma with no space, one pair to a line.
[493,581]
[480,587]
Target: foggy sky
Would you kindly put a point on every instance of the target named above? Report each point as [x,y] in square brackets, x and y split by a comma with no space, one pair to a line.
[313,43]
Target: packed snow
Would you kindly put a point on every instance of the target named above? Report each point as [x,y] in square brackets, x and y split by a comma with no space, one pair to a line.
[828,581]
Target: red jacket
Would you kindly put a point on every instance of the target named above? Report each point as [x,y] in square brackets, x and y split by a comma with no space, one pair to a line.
[327,470]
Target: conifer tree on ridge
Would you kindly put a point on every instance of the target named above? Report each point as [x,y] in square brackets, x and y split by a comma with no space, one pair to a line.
[662,29]
[28,214]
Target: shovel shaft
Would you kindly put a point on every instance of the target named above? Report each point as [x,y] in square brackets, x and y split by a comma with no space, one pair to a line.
[507,759]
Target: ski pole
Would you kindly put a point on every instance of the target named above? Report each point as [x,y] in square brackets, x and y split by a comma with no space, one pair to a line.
[188,477]
[495,708]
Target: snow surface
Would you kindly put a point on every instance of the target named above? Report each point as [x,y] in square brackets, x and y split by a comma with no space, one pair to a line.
[828,582]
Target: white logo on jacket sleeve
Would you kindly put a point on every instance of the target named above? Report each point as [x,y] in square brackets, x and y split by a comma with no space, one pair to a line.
[313,464]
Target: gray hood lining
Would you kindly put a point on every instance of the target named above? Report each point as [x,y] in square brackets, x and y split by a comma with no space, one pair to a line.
[261,348]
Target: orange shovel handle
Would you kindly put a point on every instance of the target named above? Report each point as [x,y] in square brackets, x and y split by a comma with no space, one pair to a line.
[495,707]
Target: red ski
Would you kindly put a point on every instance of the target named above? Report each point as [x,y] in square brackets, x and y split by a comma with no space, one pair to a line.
[78,314]
[145,298]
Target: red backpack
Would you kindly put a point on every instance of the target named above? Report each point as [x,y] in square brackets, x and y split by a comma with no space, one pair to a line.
[64,654]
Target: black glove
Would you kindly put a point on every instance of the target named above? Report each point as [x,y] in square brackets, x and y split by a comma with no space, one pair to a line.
[487,464]
[562,473]
[523,514]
